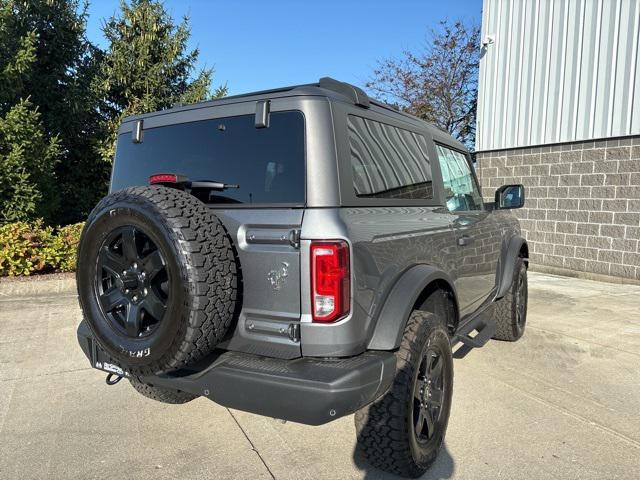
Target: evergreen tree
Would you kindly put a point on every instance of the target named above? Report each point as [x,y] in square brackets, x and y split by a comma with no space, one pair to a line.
[46,58]
[27,162]
[148,65]
[68,97]
[27,156]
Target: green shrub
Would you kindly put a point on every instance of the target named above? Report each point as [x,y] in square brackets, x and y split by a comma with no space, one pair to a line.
[65,246]
[27,248]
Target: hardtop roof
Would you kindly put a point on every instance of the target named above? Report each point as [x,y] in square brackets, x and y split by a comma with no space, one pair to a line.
[329,88]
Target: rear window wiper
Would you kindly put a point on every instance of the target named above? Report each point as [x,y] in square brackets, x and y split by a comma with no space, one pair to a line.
[212,185]
[182,181]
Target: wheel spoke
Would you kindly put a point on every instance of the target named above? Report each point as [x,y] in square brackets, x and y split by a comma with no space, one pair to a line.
[419,425]
[111,299]
[430,424]
[435,399]
[152,264]
[434,368]
[112,262]
[521,305]
[419,386]
[132,322]
[154,306]
[129,248]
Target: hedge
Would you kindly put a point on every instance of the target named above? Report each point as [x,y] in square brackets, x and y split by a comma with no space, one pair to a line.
[32,247]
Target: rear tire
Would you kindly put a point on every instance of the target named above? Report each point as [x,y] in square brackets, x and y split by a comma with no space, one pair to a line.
[510,312]
[386,429]
[160,394]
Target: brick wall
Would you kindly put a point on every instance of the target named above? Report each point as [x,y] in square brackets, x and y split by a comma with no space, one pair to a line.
[582,211]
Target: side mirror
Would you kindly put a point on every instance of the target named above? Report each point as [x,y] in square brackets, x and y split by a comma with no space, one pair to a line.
[509,196]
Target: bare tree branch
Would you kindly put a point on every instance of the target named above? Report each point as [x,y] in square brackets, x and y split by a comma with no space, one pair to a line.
[438,83]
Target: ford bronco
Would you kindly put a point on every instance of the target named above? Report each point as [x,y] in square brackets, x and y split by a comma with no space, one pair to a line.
[303,253]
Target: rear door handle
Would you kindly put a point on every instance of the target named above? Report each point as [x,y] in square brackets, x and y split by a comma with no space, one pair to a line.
[465,240]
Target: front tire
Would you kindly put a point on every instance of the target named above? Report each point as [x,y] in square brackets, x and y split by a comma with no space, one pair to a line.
[510,312]
[403,431]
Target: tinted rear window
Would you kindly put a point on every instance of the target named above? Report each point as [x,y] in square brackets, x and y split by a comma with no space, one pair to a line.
[266,163]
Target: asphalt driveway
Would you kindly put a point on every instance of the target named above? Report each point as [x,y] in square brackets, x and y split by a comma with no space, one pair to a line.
[563,403]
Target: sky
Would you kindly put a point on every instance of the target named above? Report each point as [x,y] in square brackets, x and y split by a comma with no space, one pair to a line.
[256,45]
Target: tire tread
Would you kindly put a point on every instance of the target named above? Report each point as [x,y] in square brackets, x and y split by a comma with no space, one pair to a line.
[160,394]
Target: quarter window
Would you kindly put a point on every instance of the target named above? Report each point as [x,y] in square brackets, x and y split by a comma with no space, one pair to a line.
[460,188]
[388,162]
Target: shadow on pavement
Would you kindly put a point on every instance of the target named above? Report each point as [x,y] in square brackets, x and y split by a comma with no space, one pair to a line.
[440,470]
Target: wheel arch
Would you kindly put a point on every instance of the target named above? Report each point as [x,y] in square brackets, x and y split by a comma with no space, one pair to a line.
[414,290]
[515,248]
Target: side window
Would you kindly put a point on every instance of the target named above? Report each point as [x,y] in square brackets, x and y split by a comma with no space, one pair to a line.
[460,188]
[388,162]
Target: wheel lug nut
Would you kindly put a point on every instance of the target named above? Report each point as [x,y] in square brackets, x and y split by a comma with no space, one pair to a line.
[126,290]
[135,265]
[124,272]
[144,292]
[135,298]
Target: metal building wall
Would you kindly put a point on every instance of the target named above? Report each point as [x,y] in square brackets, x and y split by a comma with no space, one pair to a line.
[558,71]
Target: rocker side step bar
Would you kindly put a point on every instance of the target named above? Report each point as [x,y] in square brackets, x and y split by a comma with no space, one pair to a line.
[483,324]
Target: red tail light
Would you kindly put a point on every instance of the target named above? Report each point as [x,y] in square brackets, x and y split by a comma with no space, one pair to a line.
[330,281]
[163,178]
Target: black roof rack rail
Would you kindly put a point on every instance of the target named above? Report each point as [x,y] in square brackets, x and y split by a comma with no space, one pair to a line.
[355,94]
[380,104]
[268,91]
[394,109]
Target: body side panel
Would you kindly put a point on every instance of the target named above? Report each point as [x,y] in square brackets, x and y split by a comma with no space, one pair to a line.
[385,243]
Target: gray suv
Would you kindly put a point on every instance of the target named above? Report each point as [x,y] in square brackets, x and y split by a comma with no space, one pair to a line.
[302,253]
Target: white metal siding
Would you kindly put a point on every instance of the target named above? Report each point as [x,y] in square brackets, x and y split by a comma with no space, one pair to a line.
[558,71]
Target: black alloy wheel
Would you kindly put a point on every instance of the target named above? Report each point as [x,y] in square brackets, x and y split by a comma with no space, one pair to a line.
[428,395]
[132,282]
[521,301]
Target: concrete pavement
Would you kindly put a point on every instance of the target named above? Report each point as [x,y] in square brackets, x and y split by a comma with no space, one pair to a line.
[561,403]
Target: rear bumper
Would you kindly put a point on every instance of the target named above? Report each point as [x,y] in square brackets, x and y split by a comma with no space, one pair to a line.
[304,390]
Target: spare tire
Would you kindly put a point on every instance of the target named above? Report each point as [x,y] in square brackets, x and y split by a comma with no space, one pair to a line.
[157,278]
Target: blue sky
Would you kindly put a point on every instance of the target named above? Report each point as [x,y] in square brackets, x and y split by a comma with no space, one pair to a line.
[256,45]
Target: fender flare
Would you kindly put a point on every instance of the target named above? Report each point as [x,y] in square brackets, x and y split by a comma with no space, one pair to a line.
[508,258]
[395,312]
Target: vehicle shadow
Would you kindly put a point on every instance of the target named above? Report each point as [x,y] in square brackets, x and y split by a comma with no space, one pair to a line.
[442,468]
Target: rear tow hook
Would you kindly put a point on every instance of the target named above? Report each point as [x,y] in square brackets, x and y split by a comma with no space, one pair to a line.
[112,378]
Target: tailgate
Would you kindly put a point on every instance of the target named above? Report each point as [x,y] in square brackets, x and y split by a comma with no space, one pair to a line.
[265,239]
